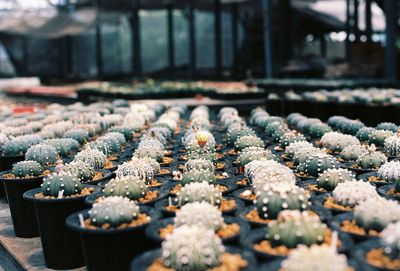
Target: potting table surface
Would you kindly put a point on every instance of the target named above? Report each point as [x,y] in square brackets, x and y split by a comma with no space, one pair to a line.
[18,253]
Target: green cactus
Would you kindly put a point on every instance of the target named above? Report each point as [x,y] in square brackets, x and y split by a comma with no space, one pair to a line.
[197,192]
[43,154]
[79,135]
[248,141]
[130,187]
[124,130]
[26,169]
[202,153]
[64,146]
[82,170]
[279,197]
[151,152]
[198,176]
[294,228]
[330,178]
[378,137]
[391,145]
[200,213]
[15,147]
[317,163]
[364,133]
[371,160]
[54,184]
[290,137]
[93,157]
[318,130]
[199,164]
[390,126]
[113,211]
[235,134]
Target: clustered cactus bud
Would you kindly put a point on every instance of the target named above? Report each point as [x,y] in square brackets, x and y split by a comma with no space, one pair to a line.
[376,213]
[43,154]
[199,164]
[197,192]
[279,197]
[317,163]
[93,157]
[26,169]
[82,170]
[130,187]
[351,193]
[330,178]
[199,213]
[295,228]
[316,258]
[198,176]
[54,184]
[113,211]
[192,248]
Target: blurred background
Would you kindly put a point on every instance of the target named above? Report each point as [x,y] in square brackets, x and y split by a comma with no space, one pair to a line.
[77,40]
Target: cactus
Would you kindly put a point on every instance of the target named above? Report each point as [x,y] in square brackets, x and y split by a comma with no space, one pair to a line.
[364,133]
[160,132]
[151,152]
[255,153]
[130,187]
[199,213]
[16,147]
[43,154]
[295,228]
[55,183]
[82,170]
[390,238]
[3,140]
[93,157]
[351,193]
[119,137]
[378,137]
[236,134]
[371,160]
[271,172]
[192,248]
[336,142]
[125,130]
[316,164]
[200,164]
[198,192]
[198,176]
[352,152]
[316,258]
[279,197]
[26,169]
[248,141]
[290,137]
[390,171]
[113,211]
[64,146]
[301,155]
[79,135]
[318,130]
[107,145]
[203,153]
[330,178]
[137,168]
[376,213]
[153,163]
[276,126]
[295,146]
[390,126]
[391,146]
[150,142]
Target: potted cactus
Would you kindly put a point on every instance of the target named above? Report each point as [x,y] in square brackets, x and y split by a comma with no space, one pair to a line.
[369,162]
[108,230]
[194,248]
[329,179]
[388,173]
[315,164]
[24,176]
[59,196]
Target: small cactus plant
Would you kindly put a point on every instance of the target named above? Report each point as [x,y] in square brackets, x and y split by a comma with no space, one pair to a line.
[330,178]
[336,142]
[351,193]
[295,228]
[198,176]
[376,213]
[255,153]
[55,183]
[301,155]
[198,192]
[93,157]
[391,146]
[290,137]
[316,164]
[199,213]
[79,135]
[352,152]
[113,211]
[390,237]
[316,258]
[318,130]
[192,248]
[82,170]
[279,197]
[43,154]
[378,137]
[295,146]
[26,169]
[199,164]
[390,171]
[203,153]
[364,133]
[15,147]
[271,173]
[151,152]
[390,126]
[136,167]
[130,187]
[371,160]
[64,146]
[248,141]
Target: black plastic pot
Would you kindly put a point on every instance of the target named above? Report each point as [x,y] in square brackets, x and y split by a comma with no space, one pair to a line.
[237,193]
[365,177]
[359,252]
[94,196]
[6,163]
[384,190]
[61,247]
[339,219]
[161,204]
[107,175]
[112,249]
[143,261]
[152,231]
[22,211]
[320,200]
